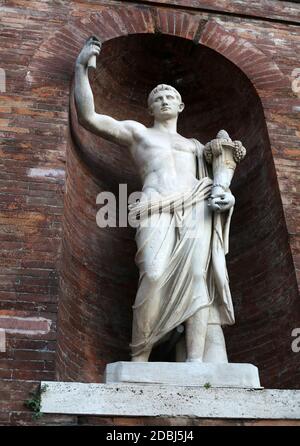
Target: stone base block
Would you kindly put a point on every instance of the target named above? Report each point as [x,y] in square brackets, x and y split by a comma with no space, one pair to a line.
[184,374]
[132,400]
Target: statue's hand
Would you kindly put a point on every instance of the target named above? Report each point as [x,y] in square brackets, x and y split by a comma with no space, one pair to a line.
[91,48]
[221,201]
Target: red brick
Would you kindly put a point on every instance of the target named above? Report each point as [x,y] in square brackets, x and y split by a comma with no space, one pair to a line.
[34,115]
[257,8]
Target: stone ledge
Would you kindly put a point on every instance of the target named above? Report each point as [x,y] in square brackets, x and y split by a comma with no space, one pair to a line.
[169,401]
[230,375]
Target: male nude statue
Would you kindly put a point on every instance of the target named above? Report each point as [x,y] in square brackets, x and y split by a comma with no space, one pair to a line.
[183,280]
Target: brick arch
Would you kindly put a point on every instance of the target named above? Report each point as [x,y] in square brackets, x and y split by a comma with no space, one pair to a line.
[84,342]
[108,24]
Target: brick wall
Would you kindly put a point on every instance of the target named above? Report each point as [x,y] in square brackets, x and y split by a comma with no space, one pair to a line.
[39,43]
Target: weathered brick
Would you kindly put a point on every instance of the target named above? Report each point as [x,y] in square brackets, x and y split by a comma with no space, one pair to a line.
[39,44]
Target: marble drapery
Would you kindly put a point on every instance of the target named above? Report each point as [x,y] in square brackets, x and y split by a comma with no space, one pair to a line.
[170,298]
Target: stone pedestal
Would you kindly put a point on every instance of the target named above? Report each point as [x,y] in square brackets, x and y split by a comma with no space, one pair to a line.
[184,374]
[158,400]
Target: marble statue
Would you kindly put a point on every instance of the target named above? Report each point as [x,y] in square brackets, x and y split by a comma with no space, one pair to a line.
[183,277]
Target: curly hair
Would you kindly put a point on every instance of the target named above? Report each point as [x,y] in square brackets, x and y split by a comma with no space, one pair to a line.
[162,87]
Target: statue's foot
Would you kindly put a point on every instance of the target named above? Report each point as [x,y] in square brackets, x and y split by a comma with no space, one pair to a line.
[143,357]
[194,360]
[139,359]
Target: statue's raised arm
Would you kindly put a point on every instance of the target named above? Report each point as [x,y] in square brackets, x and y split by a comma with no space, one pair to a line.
[121,132]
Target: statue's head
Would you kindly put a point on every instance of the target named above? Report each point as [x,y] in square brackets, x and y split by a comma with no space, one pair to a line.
[164,102]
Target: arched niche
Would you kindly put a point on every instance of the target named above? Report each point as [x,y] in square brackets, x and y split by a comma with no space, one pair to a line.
[98,274]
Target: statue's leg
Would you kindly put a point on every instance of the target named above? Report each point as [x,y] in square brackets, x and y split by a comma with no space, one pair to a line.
[142,312]
[215,348]
[142,357]
[196,326]
[155,242]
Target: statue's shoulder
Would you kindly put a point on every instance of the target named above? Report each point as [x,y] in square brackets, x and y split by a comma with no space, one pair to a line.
[198,146]
[137,129]
[197,142]
[134,125]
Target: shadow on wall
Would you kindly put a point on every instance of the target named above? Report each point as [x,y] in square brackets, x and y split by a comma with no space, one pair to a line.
[98,274]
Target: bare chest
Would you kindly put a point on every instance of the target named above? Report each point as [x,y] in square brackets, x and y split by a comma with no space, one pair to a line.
[166,145]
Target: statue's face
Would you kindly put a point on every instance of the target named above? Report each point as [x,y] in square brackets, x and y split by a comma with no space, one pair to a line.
[165,105]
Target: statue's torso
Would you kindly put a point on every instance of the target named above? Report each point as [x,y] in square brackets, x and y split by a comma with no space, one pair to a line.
[166,162]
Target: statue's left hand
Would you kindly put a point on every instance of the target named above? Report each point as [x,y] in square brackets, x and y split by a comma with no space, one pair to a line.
[221,202]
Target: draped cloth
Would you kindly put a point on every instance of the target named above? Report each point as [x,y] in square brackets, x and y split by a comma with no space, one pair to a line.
[167,299]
